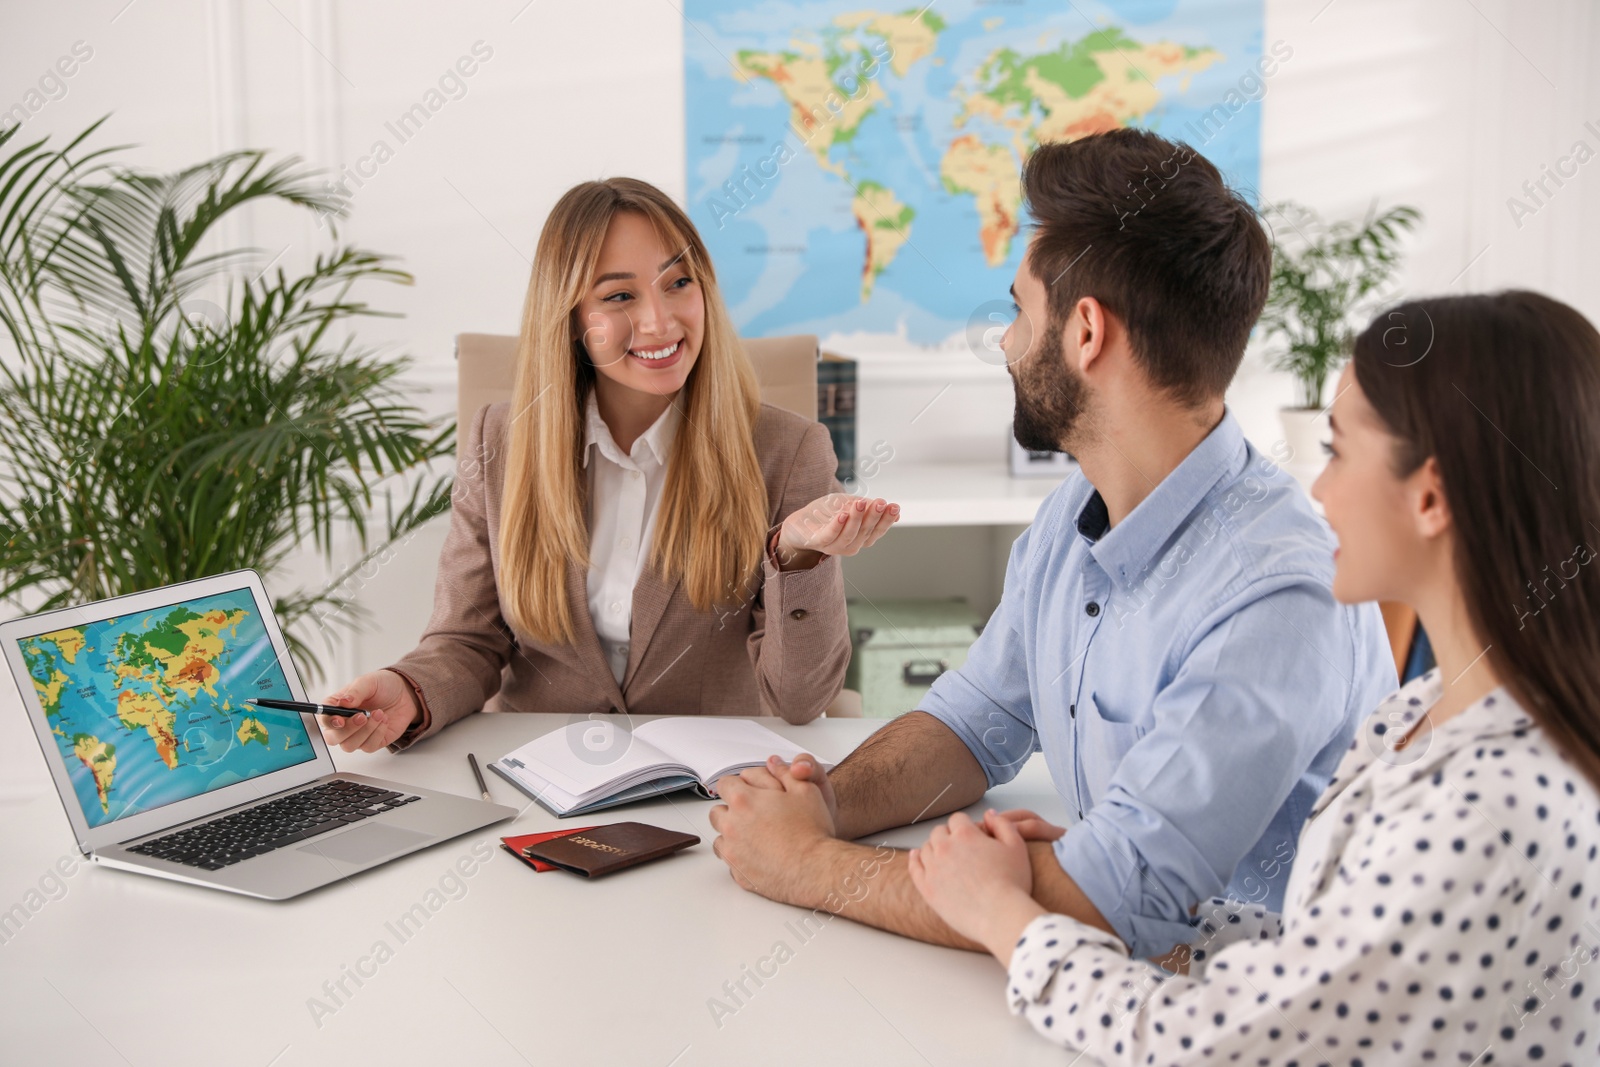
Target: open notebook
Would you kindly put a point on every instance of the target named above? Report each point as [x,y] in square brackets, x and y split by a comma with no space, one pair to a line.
[595,763]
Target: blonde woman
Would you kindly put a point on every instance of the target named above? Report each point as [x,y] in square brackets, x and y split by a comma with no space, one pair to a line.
[635,531]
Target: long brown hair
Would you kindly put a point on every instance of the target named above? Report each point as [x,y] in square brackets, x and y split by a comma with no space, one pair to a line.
[714,504]
[1503,391]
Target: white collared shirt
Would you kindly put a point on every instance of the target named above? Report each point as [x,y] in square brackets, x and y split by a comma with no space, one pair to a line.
[1442,907]
[624,498]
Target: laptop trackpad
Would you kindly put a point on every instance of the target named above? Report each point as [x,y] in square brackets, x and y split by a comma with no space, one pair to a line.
[367,843]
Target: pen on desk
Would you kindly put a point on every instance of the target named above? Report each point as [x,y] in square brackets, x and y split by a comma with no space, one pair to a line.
[483,787]
[306,707]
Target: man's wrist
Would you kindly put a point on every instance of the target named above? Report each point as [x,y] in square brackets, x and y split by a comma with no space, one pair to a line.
[842,830]
[845,827]
[820,860]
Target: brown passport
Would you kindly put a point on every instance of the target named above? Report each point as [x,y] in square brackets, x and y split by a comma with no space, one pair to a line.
[605,849]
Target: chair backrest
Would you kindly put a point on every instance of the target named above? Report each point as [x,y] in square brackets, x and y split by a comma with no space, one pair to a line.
[486,368]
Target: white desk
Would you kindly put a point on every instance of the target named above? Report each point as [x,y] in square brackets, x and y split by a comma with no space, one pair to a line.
[510,967]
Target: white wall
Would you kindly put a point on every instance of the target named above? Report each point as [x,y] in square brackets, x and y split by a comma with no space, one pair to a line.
[1447,105]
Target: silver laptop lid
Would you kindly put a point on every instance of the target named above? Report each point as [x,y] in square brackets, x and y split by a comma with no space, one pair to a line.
[138,703]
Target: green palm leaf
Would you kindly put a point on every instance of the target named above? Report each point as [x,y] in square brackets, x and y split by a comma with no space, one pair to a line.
[1324,285]
[149,435]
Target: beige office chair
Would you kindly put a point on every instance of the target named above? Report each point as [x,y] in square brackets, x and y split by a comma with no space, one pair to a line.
[786,368]
[486,367]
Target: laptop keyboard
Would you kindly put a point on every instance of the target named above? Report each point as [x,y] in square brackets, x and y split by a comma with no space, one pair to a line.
[288,820]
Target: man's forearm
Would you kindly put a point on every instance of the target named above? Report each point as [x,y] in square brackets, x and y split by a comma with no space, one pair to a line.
[873,886]
[911,769]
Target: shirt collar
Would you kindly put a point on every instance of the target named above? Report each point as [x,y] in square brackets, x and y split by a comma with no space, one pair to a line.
[1495,714]
[1127,549]
[658,438]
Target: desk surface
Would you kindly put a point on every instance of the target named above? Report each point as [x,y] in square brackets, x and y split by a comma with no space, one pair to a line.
[499,967]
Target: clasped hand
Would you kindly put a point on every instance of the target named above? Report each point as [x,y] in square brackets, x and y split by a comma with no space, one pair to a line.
[776,821]
[771,823]
[977,876]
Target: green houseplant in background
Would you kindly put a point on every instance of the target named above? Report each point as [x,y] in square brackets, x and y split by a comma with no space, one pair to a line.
[169,409]
[1326,281]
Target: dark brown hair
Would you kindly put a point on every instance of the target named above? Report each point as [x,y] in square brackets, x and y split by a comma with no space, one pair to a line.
[1148,227]
[1503,391]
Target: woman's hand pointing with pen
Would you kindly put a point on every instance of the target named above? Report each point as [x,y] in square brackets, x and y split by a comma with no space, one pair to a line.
[391,704]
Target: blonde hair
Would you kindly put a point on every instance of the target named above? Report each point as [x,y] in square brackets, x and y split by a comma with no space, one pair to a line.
[713,520]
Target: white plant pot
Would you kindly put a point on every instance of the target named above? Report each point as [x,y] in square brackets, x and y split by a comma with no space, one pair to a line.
[1304,432]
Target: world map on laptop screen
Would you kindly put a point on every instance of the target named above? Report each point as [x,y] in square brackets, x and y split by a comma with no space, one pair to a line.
[150,710]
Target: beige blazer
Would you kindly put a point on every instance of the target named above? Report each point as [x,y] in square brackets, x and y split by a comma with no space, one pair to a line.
[782,653]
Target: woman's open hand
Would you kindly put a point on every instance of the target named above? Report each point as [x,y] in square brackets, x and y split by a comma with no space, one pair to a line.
[839,524]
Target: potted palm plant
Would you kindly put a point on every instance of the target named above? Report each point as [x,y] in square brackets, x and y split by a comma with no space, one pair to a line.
[171,410]
[1326,279]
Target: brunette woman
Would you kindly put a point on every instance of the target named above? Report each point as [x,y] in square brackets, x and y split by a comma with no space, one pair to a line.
[1444,900]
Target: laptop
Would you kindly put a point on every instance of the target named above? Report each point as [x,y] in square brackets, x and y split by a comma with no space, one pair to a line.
[139,704]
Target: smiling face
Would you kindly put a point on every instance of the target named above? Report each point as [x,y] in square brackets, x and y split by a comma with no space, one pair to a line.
[1387,526]
[643,318]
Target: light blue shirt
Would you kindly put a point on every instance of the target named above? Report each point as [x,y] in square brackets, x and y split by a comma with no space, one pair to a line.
[1188,676]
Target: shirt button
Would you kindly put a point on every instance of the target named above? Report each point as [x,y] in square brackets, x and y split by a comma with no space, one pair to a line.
[635,475]
[797,614]
[622,650]
[1092,608]
[627,542]
[615,607]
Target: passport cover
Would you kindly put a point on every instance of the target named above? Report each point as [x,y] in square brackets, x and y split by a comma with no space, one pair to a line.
[604,850]
[516,844]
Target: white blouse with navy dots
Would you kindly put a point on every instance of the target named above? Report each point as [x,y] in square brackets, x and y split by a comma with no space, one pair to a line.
[1442,908]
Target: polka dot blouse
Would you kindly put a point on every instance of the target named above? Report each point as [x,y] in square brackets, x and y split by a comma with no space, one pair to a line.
[1442,908]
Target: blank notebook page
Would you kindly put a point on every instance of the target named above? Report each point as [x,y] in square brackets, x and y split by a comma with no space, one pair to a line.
[585,756]
[712,746]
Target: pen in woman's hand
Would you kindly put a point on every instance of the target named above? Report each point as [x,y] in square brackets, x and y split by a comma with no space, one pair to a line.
[306,707]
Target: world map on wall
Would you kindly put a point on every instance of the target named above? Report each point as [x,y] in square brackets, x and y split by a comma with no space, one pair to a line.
[854,170]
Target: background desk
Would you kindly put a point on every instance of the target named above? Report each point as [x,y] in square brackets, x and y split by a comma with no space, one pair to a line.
[509,967]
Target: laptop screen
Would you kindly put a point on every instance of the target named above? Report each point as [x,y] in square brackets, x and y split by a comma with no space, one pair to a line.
[149,709]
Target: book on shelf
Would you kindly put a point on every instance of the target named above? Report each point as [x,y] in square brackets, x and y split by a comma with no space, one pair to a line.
[836,408]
